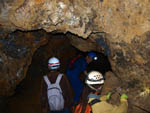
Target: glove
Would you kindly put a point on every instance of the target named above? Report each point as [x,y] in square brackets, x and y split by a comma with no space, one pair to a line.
[124,96]
[108,95]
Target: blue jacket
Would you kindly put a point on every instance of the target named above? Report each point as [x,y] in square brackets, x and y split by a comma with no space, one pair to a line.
[79,66]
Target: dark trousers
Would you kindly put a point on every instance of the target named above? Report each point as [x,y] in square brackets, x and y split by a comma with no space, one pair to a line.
[66,110]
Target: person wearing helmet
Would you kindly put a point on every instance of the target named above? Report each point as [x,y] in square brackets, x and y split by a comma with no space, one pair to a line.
[94,84]
[95,78]
[101,64]
[53,63]
[54,66]
[78,66]
[92,55]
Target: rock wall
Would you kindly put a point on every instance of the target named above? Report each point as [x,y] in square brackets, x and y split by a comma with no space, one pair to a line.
[16,52]
[125,26]
[122,20]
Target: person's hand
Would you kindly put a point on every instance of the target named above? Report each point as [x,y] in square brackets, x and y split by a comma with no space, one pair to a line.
[108,95]
[124,96]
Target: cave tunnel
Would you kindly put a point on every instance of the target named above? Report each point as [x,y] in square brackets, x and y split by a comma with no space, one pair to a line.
[26,98]
[28,53]
[119,30]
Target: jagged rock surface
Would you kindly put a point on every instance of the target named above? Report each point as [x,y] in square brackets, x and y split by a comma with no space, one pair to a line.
[16,52]
[126,25]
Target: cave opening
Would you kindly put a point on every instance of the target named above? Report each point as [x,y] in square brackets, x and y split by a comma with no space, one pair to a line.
[27,92]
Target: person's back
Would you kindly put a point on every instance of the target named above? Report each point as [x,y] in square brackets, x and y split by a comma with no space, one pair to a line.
[104,107]
[73,75]
[65,87]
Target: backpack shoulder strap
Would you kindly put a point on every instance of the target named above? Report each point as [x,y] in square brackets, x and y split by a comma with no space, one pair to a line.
[94,101]
[94,96]
[47,80]
[58,78]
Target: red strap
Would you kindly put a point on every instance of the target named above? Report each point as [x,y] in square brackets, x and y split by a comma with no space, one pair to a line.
[74,59]
[53,63]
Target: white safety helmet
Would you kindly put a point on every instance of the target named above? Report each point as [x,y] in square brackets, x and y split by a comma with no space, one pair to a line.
[53,63]
[94,77]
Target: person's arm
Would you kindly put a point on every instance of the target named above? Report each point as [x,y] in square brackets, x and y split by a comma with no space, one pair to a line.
[104,98]
[43,97]
[123,107]
[67,91]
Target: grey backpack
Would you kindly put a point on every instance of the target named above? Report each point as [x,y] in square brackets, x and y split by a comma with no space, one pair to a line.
[54,93]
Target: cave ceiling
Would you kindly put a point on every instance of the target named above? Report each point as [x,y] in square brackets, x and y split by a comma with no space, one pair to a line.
[121,29]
